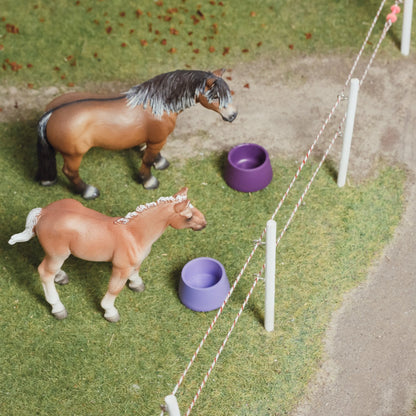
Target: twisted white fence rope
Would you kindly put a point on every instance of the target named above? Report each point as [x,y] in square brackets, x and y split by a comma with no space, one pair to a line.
[258,242]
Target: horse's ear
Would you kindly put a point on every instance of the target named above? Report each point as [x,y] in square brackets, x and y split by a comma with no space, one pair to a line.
[219,72]
[210,82]
[182,192]
[184,209]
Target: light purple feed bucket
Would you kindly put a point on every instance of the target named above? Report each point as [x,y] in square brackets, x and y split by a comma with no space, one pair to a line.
[248,168]
[204,284]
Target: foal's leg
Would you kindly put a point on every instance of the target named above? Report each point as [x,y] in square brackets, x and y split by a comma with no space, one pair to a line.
[48,269]
[61,278]
[151,154]
[71,171]
[136,283]
[117,281]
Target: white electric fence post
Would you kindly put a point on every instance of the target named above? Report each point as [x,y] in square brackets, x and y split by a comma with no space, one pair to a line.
[270,275]
[407,27]
[172,405]
[349,127]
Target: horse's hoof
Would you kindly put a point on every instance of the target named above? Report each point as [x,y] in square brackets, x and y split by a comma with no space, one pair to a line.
[91,192]
[136,287]
[161,163]
[113,318]
[151,183]
[49,183]
[61,278]
[60,315]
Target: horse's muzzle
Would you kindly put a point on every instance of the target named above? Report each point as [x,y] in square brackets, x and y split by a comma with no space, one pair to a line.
[230,118]
[229,113]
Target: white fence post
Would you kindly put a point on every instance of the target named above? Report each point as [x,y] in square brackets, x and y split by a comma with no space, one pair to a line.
[349,127]
[270,275]
[172,405]
[407,27]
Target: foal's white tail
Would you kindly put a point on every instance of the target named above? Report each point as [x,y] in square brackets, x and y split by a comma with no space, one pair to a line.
[27,233]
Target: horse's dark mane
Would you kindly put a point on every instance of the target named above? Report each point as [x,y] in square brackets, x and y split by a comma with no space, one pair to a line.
[175,91]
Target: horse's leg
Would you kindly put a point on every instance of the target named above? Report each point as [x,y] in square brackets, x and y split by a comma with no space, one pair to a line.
[71,171]
[160,162]
[150,155]
[61,278]
[117,281]
[136,283]
[48,269]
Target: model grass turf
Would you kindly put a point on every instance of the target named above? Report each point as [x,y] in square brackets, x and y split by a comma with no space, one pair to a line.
[73,43]
[84,365]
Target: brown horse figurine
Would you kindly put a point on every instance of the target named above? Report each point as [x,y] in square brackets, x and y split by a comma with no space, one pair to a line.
[66,227]
[146,114]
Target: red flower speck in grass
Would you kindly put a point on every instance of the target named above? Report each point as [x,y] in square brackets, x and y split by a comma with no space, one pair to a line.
[196,50]
[226,51]
[172,50]
[291,46]
[30,85]
[308,36]
[143,42]
[245,50]
[12,28]
[71,84]
[138,13]
[13,65]
[122,14]
[108,29]
[159,3]
[247,85]
[173,31]
[124,44]
[211,49]
[29,66]
[163,41]
[1,47]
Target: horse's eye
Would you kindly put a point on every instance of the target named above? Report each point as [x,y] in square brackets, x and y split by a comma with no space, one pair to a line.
[189,219]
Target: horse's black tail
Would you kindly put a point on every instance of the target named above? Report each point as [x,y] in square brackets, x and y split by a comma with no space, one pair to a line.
[46,173]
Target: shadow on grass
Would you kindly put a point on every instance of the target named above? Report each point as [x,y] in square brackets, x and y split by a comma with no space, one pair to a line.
[20,147]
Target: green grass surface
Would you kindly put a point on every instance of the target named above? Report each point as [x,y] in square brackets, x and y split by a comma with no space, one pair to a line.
[84,365]
[74,42]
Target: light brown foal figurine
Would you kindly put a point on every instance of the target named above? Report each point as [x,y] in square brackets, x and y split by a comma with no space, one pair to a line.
[66,227]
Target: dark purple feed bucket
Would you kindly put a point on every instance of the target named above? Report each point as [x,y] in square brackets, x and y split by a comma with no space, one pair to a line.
[204,284]
[248,168]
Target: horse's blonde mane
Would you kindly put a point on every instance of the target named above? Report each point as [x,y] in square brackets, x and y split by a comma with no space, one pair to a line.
[163,199]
